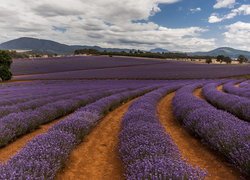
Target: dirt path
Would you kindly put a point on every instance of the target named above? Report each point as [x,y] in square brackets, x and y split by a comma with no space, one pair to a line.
[11,149]
[191,149]
[220,88]
[97,157]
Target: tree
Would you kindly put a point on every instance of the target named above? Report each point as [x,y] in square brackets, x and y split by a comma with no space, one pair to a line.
[220,58]
[5,73]
[208,60]
[5,64]
[227,60]
[5,59]
[242,59]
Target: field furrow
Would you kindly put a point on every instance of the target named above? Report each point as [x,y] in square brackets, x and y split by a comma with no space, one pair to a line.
[234,104]
[191,148]
[97,156]
[8,151]
[223,132]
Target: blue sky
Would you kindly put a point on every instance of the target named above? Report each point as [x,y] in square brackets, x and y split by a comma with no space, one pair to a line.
[179,15]
[176,25]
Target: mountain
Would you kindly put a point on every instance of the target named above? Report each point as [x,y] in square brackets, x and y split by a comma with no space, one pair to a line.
[37,45]
[158,50]
[226,51]
[52,47]
[48,46]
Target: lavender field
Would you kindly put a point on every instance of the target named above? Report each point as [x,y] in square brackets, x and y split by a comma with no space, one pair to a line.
[125,90]
[133,129]
[133,118]
[120,68]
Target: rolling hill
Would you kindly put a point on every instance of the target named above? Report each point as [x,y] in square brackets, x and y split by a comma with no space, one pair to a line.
[48,46]
[52,47]
[226,51]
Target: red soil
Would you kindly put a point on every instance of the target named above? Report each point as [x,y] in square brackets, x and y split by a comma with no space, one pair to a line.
[97,156]
[191,149]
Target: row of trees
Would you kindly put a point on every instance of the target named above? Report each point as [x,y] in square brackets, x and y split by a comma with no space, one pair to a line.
[139,53]
[5,63]
[241,59]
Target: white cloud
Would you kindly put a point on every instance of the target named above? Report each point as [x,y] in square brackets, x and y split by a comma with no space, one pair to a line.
[195,10]
[214,18]
[238,35]
[224,4]
[107,23]
[242,10]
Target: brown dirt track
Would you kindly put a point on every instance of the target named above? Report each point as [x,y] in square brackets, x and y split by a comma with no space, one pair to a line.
[11,149]
[97,156]
[191,149]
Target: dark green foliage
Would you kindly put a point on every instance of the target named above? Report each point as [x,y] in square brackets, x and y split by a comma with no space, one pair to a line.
[242,59]
[5,59]
[138,53]
[5,63]
[209,60]
[5,73]
[220,58]
[87,51]
[225,59]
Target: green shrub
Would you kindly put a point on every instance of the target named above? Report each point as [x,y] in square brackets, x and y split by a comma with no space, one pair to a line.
[5,73]
[5,63]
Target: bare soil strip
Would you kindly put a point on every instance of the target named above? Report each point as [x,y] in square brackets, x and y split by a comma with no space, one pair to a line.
[97,156]
[220,88]
[191,149]
[198,93]
[11,149]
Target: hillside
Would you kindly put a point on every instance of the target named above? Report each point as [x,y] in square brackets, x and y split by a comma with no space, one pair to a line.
[47,46]
[52,47]
[226,51]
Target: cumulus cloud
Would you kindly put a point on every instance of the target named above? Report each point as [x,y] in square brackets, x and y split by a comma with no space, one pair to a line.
[242,10]
[195,10]
[237,35]
[224,4]
[107,23]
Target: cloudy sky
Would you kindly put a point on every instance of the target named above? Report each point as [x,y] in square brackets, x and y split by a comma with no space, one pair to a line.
[176,25]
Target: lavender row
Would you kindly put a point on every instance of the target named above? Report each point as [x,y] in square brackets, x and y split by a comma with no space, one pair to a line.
[230,88]
[44,89]
[220,130]
[245,84]
[238,106]
[146,150]
[46,154]
[17,124]
[36,103]
[27,95]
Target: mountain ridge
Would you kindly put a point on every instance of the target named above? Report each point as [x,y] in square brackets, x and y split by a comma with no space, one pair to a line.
[48,46]
[53,47]
[225,51]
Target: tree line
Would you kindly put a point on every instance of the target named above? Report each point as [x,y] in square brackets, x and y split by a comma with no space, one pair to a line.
[5,64]
[138,53]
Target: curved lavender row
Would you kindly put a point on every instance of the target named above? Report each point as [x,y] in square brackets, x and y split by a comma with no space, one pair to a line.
[45,89]
[36,103]
[24,96]
[239,106]
[245,84]
[146,150]
[18,124]
[220,130]
[38,94]
[230,88]
[40,90]
[45,155]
